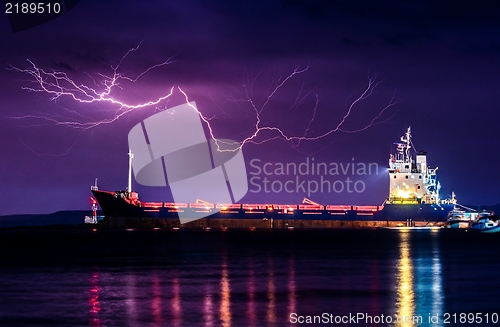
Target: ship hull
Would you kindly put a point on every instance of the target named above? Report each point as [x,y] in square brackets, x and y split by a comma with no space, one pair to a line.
[120,213]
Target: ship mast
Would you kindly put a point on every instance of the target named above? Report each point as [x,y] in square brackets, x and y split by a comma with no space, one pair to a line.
[130,157]
[406,140]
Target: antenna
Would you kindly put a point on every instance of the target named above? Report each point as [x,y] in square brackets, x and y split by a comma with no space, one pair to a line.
[130,157]
[406,145]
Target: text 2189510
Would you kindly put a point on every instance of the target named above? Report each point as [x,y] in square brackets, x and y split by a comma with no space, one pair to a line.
[33,8]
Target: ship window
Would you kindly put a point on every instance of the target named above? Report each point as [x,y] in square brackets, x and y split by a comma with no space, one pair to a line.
[406,166]
[394,176]
[420,177]
[406,176]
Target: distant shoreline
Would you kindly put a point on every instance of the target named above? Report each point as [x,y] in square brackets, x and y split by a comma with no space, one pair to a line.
[75,218]
[63,218]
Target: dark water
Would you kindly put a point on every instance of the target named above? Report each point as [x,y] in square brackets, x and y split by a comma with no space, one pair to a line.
[245,278]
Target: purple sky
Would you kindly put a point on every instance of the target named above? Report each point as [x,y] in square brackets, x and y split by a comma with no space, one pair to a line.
[440,59]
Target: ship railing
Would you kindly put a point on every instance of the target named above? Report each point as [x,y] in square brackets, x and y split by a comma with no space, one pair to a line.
[338,208]
[175,205]
[228,208]
[310,207]
[201,205]
[270,207]
[285,206]
[152,204]
[366,208]
[255,206]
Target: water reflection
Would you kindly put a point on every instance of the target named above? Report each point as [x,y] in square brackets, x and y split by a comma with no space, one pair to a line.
[130,301]
[375,308]
[208,306]
[251,315]
[405,296]
[437,290]
[429,281]
[419,283]
[264,290]
[176,302]
[156,300]
[292,296]
[225,294]
[271,293]
[94,304]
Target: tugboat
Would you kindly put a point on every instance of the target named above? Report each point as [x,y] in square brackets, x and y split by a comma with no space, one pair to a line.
[486,224]
[468,218]
[462,216]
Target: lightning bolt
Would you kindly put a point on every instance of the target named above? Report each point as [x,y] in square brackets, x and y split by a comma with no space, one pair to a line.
[295,140]
[59,85]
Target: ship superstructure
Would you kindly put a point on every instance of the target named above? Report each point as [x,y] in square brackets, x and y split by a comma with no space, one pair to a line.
[411,180]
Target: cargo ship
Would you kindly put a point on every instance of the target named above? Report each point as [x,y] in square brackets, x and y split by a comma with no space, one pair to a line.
[413,201]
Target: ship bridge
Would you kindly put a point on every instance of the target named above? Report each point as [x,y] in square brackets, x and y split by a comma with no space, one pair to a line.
[411,180]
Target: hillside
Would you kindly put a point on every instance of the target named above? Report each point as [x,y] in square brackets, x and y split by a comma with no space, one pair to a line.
[69,218]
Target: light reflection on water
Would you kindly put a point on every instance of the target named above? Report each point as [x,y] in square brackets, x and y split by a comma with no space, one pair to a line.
[156,303]
[405,296]
[437,287]
[271,296]
[176,302]
[419,283]
[208,306]
[418,291]
[292,296]
[130,300]
[257,282]
[225,294]
[251,307]
[94,305]
[429,282]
